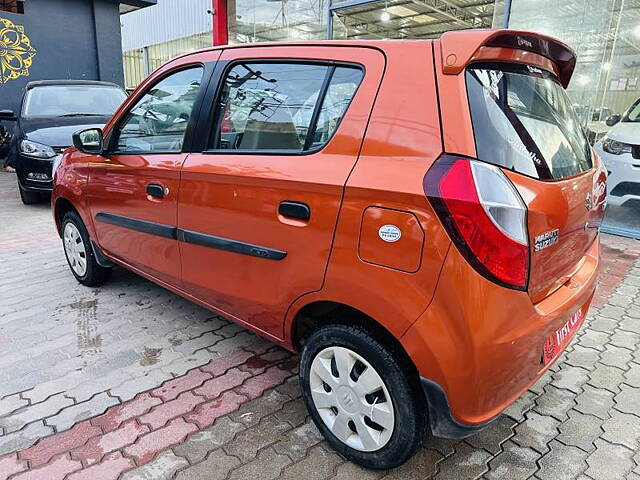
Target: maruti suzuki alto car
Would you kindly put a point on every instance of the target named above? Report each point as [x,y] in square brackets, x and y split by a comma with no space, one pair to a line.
[419,219]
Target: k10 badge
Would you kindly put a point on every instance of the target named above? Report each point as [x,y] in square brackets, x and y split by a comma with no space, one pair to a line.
[389,233]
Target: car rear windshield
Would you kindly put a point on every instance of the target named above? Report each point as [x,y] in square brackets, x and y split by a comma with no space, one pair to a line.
[524,121]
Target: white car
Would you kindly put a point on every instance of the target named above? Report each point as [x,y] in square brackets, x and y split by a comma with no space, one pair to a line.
[620,151]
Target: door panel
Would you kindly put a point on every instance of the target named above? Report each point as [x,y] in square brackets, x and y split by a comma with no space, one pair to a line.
[236,196]
[133,192]
[119,203]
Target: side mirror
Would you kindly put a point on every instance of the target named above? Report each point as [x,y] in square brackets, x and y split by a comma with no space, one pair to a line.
[8,115]
[88,141]
[612,119]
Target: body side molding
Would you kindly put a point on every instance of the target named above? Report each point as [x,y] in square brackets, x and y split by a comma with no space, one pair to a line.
[188,236]
[143,226]
[229,245]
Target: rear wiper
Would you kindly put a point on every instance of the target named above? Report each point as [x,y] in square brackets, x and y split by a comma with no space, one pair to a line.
[82,115]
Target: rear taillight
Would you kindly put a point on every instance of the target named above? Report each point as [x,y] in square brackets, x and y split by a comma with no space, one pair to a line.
[485,217]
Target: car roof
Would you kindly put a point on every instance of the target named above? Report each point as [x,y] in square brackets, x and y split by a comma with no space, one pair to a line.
[43,83]
[457,48]
[308,43]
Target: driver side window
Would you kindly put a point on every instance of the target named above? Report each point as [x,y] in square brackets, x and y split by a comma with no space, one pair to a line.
[158,122]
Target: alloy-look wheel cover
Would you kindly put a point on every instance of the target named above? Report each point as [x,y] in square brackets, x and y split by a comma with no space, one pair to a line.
[355,405]
[75,249]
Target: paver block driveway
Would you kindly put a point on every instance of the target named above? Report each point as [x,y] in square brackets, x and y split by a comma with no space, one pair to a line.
[130,381]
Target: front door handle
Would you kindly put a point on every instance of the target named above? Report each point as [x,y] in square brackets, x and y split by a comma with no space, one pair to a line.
[155,190]
[297,210]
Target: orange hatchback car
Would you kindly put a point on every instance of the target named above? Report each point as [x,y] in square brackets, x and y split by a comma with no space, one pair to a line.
[418,218]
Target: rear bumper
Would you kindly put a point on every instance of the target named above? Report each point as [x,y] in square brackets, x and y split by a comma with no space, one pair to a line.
[441,420]
[482,345]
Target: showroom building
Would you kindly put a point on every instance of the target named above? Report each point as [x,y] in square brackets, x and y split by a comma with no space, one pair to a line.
[606,37]
[59,39]
[153,36]
[604,33]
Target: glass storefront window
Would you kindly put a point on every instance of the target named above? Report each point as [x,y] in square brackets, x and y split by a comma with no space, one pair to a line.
[619,93]
[606,36]
[409,19]
[589,35]
[141,62]
[252,21]
[163,52]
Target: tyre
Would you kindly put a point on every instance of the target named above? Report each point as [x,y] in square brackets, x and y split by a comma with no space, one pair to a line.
[361,397]
[28,197]
[79,253]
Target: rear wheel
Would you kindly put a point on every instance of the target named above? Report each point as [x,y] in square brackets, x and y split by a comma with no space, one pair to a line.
[79,253]
[361,397]
[28,197]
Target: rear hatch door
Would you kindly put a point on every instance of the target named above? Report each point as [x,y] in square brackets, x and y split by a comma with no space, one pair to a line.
[523,122]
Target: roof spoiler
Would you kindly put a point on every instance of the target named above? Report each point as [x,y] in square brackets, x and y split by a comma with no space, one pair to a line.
[460,47]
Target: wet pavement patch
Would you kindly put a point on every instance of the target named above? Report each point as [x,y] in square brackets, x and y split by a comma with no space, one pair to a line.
[150,356]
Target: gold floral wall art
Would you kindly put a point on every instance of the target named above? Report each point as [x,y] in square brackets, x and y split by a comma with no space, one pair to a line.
[16,51]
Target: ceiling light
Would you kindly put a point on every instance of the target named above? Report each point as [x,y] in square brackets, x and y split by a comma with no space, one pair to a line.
[385,16]
[636,31]
[583,80]
[606,66]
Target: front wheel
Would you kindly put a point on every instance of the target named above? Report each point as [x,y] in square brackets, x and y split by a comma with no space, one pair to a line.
[79,253]
[360,395]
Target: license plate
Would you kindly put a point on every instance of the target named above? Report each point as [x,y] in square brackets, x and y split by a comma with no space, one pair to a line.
[561,337]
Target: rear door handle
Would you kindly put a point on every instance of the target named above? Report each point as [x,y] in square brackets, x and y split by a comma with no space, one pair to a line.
[155,190]
[298,210]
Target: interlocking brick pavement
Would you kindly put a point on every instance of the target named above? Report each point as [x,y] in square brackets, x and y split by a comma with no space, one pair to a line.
[130,381]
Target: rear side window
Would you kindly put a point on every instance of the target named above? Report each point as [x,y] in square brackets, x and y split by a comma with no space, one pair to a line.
[285,107]
[524,121]
[342,88]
